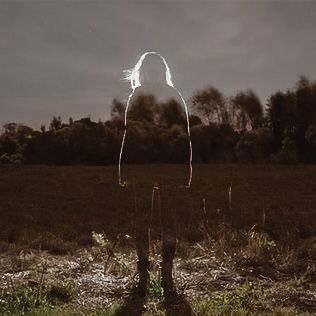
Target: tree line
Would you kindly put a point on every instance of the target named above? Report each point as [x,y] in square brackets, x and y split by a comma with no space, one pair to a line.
[223,130]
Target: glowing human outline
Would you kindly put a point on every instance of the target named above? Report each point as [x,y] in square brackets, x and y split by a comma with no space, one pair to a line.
[133,77]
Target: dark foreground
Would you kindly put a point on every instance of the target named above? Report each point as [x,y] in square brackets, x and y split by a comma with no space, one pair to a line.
[66,240]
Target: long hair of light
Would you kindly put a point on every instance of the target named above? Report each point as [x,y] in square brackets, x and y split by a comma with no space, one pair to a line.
[133,75]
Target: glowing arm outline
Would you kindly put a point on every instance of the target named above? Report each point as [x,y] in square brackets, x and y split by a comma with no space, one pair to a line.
[123,184]
[189,134]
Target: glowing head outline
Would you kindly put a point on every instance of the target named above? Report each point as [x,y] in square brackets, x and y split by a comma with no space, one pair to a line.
[133,75]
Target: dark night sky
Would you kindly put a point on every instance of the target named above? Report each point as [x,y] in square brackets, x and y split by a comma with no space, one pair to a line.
[66,57]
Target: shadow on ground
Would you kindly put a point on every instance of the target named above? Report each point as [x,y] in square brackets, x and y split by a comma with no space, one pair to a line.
[135,305]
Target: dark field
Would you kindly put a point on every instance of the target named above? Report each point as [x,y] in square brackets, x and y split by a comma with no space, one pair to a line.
[70,202]
[265,233]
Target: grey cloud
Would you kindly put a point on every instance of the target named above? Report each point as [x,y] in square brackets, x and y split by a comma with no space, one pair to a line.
[67,57]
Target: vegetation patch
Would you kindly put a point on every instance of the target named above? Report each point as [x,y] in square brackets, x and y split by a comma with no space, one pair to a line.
[239,301]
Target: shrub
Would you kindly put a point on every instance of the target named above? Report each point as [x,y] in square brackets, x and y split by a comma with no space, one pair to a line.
[21,300]
[259,244]
[51,243]
[240,301]
[63,292]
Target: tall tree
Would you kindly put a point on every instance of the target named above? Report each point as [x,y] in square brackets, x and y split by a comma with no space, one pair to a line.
[209,104]
[305,96]
[143,108]
[117,109]
[248,110]
[55,124]
[171,114]
[281,115]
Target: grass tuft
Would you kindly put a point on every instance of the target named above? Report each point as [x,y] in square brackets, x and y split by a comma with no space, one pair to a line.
[240,301]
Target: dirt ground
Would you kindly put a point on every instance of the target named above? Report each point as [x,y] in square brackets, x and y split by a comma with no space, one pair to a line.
[197,276]
[254,249]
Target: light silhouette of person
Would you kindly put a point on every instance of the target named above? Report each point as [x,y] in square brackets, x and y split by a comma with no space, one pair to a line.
[152,85]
